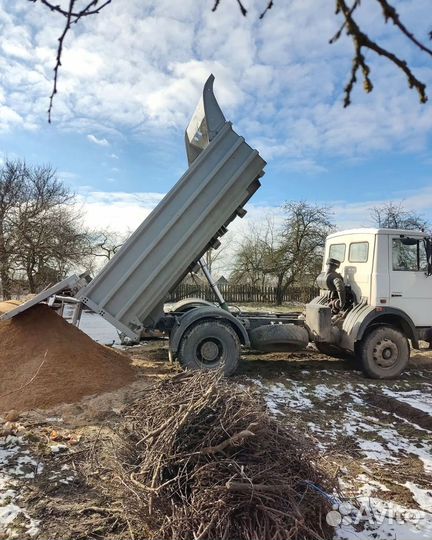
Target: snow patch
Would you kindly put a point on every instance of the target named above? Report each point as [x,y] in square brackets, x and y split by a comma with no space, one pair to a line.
[423,497]
[278,395]
[415,398]
[375,450]
[15,464]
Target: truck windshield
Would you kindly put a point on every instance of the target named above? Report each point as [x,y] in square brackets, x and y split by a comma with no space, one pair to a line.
[409,257]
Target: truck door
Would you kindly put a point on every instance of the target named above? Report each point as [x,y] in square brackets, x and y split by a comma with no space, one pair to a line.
[410,287]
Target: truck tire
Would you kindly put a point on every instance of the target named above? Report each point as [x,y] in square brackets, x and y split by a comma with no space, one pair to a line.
[332,350]
[384,353]
[279,338]
[210,345]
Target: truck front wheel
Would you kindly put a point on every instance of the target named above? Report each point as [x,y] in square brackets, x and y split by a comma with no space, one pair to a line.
[210,345]
[384,353]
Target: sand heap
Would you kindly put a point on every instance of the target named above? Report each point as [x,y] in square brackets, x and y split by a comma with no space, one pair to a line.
[45,361]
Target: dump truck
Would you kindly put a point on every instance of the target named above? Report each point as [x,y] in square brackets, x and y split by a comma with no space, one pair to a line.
[369,311]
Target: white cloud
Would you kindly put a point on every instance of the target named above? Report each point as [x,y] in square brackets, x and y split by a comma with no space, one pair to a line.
[351,215]
[101,142]
[67,175]
[15,49]
[9,118]
[113,156]
[81,63]
[283,86]
[118,211]
[123,211]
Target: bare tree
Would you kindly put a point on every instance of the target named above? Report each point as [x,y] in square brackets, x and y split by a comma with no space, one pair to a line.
[348,10]
[54,242]
[296,258]
[250,263]
[12,182]
[393,215]
[214,258]
[105,243]
[41,234]
[287,255]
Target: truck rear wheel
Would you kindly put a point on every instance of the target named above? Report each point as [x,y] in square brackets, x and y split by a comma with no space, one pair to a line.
[384,353]
[210,345]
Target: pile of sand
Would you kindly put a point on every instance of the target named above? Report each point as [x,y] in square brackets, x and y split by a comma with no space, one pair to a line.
[44,361]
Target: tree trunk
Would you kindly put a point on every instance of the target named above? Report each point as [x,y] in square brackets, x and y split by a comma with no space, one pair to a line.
[5,282]
[4,266]
[279,291]
[31,281]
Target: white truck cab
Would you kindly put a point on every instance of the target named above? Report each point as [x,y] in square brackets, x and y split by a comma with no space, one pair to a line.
[387,299]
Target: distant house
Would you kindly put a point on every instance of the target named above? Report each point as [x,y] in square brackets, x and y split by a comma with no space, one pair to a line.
[194,279]
[222,281]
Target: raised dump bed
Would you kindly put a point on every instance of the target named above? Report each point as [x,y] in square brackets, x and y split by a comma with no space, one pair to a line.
[222,175]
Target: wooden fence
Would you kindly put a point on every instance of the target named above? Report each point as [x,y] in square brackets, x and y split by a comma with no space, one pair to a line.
[243,294]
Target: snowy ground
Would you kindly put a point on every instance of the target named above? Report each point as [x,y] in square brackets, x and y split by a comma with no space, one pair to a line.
[383,460]
[17,465]
[376,436]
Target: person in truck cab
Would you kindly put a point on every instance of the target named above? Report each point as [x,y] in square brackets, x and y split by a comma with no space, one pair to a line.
[335,284]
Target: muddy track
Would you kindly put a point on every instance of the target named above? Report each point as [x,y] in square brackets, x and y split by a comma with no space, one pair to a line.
[400,409]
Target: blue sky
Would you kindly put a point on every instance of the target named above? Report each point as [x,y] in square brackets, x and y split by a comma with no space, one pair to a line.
[131,78]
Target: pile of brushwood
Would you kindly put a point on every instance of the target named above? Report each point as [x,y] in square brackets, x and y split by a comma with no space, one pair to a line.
[201,458]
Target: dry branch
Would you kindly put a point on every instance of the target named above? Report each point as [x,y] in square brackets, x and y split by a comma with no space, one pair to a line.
[200,458]
[362,43]
[72,16]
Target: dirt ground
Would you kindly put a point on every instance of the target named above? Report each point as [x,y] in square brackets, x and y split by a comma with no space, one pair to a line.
[375,436]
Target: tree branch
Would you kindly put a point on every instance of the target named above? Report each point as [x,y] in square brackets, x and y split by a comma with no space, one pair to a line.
[88,10]
[243,9]
[390,13]
[72,17]
[361,41]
